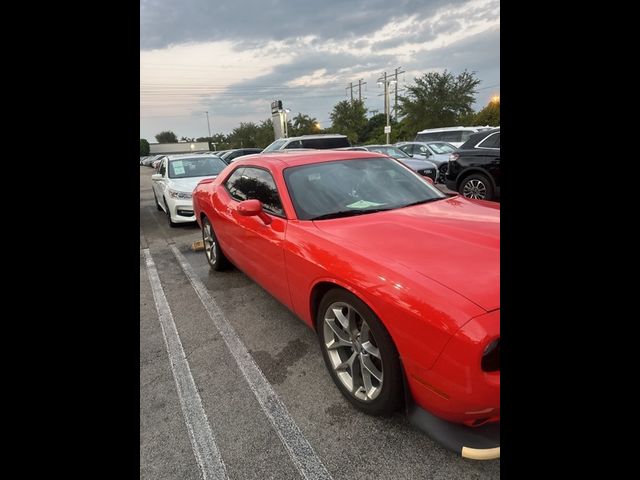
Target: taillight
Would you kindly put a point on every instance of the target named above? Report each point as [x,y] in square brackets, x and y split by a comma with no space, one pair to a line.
[453,157]
[491,357]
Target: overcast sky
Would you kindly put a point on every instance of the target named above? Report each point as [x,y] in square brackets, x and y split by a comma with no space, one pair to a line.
[233,58]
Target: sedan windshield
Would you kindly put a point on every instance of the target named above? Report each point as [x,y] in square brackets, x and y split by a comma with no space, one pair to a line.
[353,187]
[201,166]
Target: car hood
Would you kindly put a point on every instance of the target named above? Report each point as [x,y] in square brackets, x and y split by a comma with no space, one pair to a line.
[187,184]
[455,242]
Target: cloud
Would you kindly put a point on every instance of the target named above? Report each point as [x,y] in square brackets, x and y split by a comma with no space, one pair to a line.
[166,22]
[217,59]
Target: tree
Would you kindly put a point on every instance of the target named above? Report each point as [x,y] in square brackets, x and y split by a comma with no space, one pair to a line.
[349,118]
[244,136]
[144,147]
[489,115]
[265,135]
[304,125]
[167,137]
[438,100]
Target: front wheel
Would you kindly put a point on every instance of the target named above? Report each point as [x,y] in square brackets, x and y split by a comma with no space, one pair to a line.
[359,353]
[215,257]
[476,186]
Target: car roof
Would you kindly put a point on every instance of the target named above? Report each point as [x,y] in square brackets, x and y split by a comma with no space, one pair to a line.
[448,129]
[293,158]
[319,135]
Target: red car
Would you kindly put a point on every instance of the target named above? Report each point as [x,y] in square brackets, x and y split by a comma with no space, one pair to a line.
[400,282]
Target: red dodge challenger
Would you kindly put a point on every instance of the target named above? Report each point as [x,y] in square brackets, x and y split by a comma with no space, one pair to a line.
[400,282]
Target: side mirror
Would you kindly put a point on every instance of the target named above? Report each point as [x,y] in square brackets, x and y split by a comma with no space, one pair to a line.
[251,208]
[156,176]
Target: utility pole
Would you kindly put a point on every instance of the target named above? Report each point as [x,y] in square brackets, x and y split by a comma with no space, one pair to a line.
[360,83]
[208,125]
[386,103]
[350,87]
[395,104]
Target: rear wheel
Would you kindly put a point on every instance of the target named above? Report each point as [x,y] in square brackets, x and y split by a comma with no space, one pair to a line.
[359,353]
[476,186]
[215,257]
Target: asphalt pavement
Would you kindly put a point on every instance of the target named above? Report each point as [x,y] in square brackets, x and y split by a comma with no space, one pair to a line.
[233,385]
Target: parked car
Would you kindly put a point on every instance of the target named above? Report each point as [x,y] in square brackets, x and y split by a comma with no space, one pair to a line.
[148,162]
[324,141]
[352,244]
[474,169]
[176,179]
[156,163]
[435,152]
[230,155]
[456,136]
[423,167]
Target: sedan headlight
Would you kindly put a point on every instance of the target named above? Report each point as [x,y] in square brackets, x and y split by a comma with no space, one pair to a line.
[179,195]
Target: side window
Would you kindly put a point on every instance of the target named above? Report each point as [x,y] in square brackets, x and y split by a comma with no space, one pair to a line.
[492,141]
[234,185]
[294,144]
[423,150]
[259,184]
[454,136]
[406,149]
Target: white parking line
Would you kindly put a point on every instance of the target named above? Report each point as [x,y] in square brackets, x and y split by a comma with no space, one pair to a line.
[299,449]
[200,434]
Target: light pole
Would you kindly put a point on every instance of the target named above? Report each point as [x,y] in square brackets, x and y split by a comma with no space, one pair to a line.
[387,129]
[208,125]
[286,126]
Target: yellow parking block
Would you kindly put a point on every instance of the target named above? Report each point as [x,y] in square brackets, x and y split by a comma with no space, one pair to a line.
[197,245]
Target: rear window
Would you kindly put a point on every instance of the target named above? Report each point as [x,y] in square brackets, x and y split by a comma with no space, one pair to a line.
[428,137]
[326,143]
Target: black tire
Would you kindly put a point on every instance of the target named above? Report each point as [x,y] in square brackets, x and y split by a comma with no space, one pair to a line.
[217,261]
[156,200]
[172,224]
[477,186]
[390,395]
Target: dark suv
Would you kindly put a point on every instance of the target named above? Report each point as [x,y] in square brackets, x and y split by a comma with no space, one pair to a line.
[474,169]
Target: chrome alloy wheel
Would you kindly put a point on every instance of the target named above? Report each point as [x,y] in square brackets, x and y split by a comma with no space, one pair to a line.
[352,351]
[475,189]
[209,242]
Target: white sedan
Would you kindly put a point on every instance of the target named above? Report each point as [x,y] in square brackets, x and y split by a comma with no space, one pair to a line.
[177,176]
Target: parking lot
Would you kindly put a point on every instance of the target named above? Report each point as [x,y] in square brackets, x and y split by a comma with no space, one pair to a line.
[233,384]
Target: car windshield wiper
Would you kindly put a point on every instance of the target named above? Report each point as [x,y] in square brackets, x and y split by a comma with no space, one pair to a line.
[347,213]
[419,202]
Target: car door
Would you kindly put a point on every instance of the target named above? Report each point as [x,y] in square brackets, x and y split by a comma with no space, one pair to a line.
[258,248]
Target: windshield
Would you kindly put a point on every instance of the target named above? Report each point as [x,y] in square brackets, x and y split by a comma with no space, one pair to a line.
[442,147]
[202,166]
[275,146]
[352,187]
[390,151]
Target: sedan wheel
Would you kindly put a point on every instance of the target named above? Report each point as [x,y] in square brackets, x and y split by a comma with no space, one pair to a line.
[359,353]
